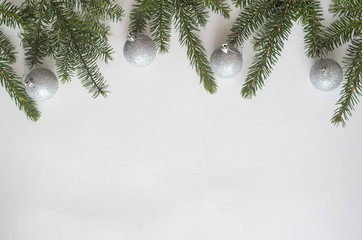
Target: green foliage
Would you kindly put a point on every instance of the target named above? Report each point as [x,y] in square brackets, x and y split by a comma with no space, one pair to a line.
[188,16]
[161,26]
[242,3]
[352,89]
[347,8]
[348,28]
[268,43]
[311,17]
[218,6]
[271,21]
[250,20]
[340,32]
[185,24]
[74,34]
[142,12]
[10,16]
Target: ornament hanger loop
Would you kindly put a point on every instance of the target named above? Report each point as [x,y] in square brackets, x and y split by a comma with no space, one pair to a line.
[131,37]
[325,70]
[225,48]
[27,81]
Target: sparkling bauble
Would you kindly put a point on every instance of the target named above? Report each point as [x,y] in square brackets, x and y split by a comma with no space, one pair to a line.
[326,75]
[226,61]
[41,84]
[139,50]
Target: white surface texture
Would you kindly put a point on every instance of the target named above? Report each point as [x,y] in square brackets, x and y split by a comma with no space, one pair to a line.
[161,159]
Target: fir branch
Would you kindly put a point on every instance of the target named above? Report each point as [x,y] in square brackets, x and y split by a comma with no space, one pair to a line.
[10,81]
[89,74]
[346,8]
[218,6]
[66,62]
[9,14]
[340,32]
[249,21]
[311,16]
[140,15]
[185,24]
[7,50]
[352,89]
[268,44]
[35,38]
[77,30]
[161,25]
[200,11]
[104,9]
[16,91]
[242,3]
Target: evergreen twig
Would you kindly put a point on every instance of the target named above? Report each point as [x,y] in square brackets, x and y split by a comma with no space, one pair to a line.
[74,34]
[272,21]
[161,26]
[352,89]
[242,3]
[188,16]
[268,44]
[185,24]
[250,20]
[348,28]
[311,16]
[10,16]
[10,80]
[141,14]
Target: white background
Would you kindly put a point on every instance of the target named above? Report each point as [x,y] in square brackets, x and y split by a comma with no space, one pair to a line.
[162,159]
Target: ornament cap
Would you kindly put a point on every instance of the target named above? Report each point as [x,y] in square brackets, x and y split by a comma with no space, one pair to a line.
[131,37]
[325,70]
[225,48]
[27,81]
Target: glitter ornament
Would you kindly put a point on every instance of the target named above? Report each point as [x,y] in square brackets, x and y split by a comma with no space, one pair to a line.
[139,50]
[326,75]
[40,84]
[226,61]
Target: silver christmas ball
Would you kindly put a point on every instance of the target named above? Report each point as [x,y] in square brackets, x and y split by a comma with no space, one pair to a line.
[139,50]
[41,84]
[226,61]
[326,75]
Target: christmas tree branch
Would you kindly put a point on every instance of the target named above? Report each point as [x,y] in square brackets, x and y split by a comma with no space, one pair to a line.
[35,39]
[242,3]
[161,26]
[188,16]
[200,11]
[15,89]
[65,62]
[311,16]
[140,15]
[86,66]
[9,14]
[7,50]
[346,8]
[102,9]
[185,24]
[352,88]
[10,80]
[249,21]
[218,6]
[89,74]
[340,32]
[268,44]
[71,32]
